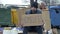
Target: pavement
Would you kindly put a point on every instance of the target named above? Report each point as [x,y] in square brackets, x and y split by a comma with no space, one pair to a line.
[58,31]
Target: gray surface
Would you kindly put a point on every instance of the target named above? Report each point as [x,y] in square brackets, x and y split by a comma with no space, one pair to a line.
[32,33]
[58,31]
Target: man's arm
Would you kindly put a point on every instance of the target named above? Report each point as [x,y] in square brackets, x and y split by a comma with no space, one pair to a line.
[39,11]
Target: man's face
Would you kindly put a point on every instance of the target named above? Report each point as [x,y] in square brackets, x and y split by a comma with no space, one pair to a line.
[33,8]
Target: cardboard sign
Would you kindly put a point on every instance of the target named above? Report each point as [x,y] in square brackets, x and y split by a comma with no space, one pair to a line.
[32,20]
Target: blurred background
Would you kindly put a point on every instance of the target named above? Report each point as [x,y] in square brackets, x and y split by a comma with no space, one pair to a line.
[9,16]
[20,3]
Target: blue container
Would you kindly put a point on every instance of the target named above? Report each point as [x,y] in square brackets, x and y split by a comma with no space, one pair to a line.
[55,15]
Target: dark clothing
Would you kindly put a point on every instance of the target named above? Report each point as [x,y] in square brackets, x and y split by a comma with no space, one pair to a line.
[38,29]
[35,12]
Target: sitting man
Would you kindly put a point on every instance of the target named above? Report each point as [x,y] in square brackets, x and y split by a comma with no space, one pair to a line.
[33,10]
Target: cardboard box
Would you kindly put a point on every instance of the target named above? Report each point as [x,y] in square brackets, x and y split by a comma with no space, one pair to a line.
[20,13]
[46,19]
[32,20]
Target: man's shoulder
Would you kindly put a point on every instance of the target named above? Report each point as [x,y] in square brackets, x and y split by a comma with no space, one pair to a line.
[39,11]
[28,11]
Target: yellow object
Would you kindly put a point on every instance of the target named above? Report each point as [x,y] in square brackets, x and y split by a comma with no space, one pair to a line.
[14,16]
[7,28]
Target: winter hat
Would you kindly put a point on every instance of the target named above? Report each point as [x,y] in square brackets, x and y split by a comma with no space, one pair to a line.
[34,4]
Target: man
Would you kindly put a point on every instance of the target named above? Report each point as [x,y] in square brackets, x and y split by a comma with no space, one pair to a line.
[33,10]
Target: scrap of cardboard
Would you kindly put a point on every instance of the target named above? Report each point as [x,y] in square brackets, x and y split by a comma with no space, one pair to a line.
[32,20]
